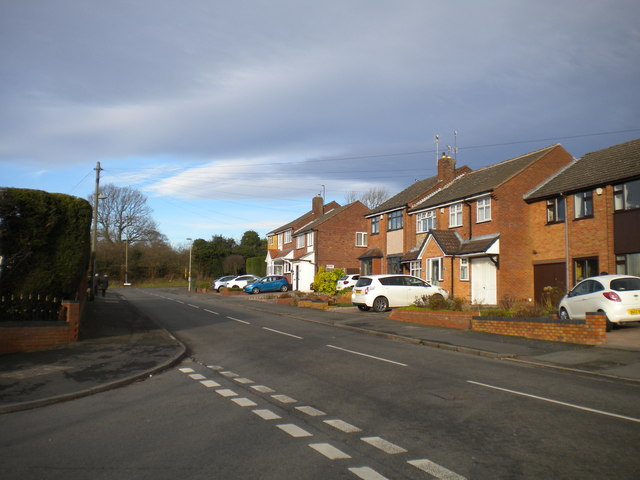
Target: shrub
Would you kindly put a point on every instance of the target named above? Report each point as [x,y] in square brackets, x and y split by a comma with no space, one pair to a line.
[437,302]
[325,282]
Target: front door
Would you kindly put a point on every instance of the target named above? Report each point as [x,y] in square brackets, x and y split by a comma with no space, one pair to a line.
[483,281]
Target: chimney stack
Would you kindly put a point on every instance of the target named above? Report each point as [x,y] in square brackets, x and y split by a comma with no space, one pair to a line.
[446,168]
[317,206]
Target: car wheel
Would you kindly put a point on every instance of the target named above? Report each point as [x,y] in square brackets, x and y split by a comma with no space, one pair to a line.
[564,315]
[255,290]
[609,323]
[284,288]
[219,288]
[380,304]
[363,308]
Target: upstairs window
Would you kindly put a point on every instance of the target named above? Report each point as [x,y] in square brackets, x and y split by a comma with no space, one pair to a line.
[455,215]
[626,195]
[583,204]
[483,209]
[555,210]
[375,225]
[300,241]
[395,220]
[310,239]
[361,239]
[426,221]
[287,236]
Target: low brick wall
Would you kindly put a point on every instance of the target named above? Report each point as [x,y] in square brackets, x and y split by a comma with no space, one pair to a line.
[228,291]
[591,331]
[313,304]
[33,336]
[459,320]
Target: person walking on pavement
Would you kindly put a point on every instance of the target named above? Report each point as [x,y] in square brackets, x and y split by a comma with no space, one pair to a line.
[104,284]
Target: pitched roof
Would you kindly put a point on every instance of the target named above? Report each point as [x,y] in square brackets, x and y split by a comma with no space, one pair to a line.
[330,214]
[481,181]
[374,252]
[451,243]
[598,168]
[305,217]
[405,196]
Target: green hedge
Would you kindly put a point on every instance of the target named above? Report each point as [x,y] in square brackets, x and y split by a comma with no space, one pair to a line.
[45,242]
[256,266]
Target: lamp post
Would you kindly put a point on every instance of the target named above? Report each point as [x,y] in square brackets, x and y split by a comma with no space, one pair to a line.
[190,250]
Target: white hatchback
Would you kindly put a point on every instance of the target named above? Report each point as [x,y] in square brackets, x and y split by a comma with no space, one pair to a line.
[617,296]
[380,292]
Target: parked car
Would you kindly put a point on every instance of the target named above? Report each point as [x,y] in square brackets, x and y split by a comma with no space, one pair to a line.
[347,281]
[219,283]
[380,292]
[272,283]
[242,281]
[617,296]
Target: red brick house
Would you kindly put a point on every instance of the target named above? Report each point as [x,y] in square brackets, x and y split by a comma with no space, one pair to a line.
[473,235]
[586,219]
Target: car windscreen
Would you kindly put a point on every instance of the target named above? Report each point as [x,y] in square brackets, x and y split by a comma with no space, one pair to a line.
[363,282]
[625,284]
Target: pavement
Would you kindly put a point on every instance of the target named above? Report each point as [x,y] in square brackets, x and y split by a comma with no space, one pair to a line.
[119,345]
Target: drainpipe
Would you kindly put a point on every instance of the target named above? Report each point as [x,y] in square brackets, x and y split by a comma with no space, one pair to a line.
[566,241]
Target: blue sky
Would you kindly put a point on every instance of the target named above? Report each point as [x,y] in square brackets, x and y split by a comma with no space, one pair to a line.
[231,116]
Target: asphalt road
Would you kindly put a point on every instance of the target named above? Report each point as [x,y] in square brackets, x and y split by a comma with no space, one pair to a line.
[270,397]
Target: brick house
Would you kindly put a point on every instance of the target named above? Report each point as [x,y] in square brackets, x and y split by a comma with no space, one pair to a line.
[280,246]
[586,219]
[472,237]
[391,232]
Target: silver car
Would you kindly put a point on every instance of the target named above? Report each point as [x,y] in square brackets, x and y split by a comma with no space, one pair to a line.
[617,296]
[222,282]
[380,292]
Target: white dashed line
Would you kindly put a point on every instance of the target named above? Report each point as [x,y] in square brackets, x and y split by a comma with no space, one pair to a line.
[312,412]
[368,356]
[179,301]
[210,384]
[294,430]
[211,311]
[262,389]
[436,470]
[366,473]
[283,333]
[284,398]
[244,402]
[187,370]
[225,392]
[342,426]
[229,374]
[382,444]
[239,321]
[244,381]
[192,305]
[266,414]
[329,451]
[215,367]
[197,376]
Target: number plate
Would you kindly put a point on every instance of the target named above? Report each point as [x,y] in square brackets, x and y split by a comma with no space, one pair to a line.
[635,311]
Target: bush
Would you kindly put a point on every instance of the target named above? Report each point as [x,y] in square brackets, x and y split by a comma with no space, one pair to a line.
[325,282]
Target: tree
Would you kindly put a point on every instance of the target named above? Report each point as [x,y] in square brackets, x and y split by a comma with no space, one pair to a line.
[123,214]
[372,198]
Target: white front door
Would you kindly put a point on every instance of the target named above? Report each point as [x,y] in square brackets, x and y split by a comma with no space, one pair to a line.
[483,281]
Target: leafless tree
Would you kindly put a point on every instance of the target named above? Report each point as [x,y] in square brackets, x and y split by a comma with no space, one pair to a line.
[372,198]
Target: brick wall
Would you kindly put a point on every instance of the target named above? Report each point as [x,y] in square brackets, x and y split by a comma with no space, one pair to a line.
[458,320]
[335,241]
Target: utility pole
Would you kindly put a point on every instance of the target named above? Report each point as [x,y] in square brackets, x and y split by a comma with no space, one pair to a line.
[94,236]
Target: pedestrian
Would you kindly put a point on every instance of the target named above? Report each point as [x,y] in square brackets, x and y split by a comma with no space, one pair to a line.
[104,284]
[96,284]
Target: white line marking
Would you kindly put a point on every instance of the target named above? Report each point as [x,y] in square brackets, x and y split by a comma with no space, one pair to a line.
[284,398]
[244,402]
[210,384]
[382,444]
[229,374]
[557,402]
[238,320]
[180,301]
[343,426]
[194,306]
[266,414]
[312,412]
[262,389]
[244,381]
[368,356]
[366,473]
[294,430]
[225,392]
[282,333]
[187,370]
[329,451]
[197,376]
[211,311]
[436,470]
[215,367]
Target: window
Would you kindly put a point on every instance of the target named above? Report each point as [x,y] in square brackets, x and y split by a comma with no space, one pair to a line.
[626,195]
[287,236]
[455,215]
[310,239]
[464,269]
[375,225]
[426,221]
[361,239]
[434,270]
[415,268]
[583,204]
[277,269]
[287,267]
[366,267]
[395,220]
[394,265]
[483,209]
[628,264]
[300,241]
[585,267]
[555,210]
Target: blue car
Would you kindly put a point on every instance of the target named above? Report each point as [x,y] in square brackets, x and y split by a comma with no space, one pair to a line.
[272,283]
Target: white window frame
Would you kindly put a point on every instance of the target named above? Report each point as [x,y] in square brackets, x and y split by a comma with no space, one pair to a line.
[310,239]
[464,269]
[277,269]
[415,268]
[300,241]
[483,209]
[583,204]
[287,236]
[455,215]
[426,221]
[430,264]
[286,267]
[361,239]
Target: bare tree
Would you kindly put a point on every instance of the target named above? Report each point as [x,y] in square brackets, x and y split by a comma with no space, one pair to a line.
[372,198]
[123,214]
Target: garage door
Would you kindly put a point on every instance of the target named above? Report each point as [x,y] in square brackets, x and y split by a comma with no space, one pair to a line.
[548,275]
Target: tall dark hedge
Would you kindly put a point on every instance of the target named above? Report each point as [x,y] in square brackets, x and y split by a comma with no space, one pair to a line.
[257,266]
[45,240]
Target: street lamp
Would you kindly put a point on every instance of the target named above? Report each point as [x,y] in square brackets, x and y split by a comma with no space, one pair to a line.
[190,250]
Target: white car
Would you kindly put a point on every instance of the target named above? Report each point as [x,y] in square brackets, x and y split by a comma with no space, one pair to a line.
[617,296]
[242,281]
[222,282]
[380,292]
[347,281]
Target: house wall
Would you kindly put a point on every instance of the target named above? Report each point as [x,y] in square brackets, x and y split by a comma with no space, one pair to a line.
[378,240]
[335,241]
